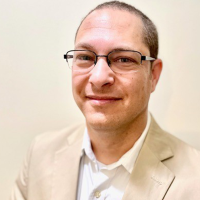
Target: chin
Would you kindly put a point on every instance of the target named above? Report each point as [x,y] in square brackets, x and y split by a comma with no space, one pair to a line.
[99,121]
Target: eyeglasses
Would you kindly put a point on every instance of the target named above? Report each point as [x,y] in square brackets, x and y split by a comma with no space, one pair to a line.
[120,61]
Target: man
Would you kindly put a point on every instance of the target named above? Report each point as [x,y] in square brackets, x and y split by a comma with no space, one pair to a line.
[120,152]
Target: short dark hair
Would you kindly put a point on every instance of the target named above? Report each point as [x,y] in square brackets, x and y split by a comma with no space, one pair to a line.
[150,34]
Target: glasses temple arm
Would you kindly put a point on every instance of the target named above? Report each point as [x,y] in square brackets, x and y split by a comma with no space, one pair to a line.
[147,58]
[67,56]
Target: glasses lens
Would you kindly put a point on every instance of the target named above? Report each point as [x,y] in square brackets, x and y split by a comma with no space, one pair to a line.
[69,58]
[124,61]
[81,60]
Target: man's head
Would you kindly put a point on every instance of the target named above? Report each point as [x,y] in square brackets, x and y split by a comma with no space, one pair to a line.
[111,99]
[149,32]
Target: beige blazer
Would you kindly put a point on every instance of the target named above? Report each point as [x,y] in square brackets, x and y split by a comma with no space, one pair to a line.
[166,168]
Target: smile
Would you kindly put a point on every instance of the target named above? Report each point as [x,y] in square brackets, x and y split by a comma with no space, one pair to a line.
[102,100]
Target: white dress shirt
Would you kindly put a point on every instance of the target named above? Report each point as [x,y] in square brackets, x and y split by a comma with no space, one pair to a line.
[98,181]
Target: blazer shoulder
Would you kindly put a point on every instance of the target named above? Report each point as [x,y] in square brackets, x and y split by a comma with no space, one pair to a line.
[184,159]
[185,166]
[181,148]
[55,140]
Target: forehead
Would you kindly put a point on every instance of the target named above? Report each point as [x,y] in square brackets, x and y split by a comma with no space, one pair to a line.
[111,27]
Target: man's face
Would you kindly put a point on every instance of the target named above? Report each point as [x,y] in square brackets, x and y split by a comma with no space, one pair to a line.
[107,99]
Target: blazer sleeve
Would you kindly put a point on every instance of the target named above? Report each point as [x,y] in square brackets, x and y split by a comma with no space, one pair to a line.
[20,189]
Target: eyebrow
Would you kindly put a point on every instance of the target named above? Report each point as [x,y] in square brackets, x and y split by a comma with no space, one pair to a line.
[84,46]
[90,47]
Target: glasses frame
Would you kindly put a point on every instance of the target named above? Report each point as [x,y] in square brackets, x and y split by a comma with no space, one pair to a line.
[66,56]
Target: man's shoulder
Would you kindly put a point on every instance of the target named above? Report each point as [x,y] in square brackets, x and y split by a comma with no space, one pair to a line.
[175,144]
[54,140]
[184,159]
[184,164]
[183,155]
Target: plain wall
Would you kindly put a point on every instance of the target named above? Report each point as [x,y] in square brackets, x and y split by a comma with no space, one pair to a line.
[35,83]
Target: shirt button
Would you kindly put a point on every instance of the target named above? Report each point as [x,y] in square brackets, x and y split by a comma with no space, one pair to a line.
[97,194]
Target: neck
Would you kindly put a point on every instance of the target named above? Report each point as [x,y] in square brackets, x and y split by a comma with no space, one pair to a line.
[109,145]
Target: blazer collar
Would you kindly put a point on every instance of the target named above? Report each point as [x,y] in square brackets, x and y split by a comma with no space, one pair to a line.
[150,178]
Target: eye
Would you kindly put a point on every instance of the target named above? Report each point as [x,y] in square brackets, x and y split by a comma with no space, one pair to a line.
[84,57]
[125,60]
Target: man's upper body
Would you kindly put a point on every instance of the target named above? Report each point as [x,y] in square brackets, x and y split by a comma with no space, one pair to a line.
[166,168]
[114,71]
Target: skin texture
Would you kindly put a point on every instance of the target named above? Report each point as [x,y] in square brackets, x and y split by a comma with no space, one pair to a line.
[114,105]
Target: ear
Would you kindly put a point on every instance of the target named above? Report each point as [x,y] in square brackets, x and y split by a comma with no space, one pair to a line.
[156,70]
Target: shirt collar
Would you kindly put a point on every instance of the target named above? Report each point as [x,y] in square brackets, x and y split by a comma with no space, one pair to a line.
[127,160]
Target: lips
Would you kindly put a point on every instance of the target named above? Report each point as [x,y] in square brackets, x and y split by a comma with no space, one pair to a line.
[102,97]
[101,100]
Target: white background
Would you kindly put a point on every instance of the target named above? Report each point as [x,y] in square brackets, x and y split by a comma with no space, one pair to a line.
[35,83]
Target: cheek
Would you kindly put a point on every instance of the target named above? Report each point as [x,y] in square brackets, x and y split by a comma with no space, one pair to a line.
[75,84]
[135,81]
[140,86]
[78,80]
[145,90]
[78,86]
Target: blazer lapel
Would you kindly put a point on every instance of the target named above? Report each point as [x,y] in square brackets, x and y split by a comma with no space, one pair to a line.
[66,168]
[151,179]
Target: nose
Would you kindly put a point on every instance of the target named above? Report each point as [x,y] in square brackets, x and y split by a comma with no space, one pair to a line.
[101,75]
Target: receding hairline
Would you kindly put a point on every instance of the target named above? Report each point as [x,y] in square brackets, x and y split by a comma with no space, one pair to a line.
[109,8]
[149,34]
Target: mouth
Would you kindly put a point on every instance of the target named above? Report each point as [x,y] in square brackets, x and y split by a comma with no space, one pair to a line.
[102,100]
